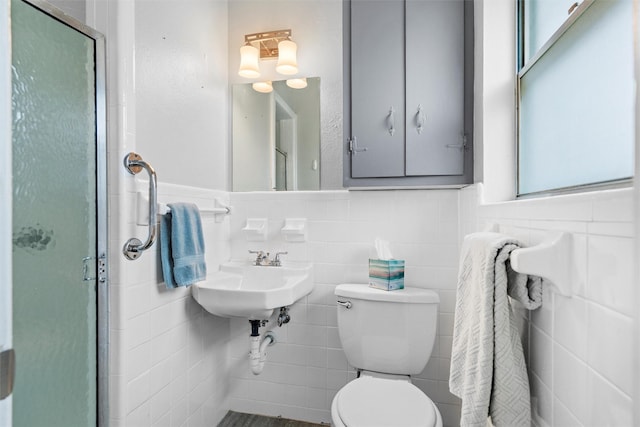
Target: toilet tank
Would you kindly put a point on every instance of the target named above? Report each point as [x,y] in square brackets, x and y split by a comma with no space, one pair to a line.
[387,331]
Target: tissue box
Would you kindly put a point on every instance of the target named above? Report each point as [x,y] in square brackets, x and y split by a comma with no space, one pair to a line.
[386,274]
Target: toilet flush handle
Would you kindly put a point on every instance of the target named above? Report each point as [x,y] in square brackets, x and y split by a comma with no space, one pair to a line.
[346,304]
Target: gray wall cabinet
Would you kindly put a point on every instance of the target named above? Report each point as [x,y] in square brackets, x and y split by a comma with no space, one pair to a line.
[408,92]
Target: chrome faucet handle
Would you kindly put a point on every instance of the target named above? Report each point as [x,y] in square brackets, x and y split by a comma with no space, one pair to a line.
[276,259]
[261,256]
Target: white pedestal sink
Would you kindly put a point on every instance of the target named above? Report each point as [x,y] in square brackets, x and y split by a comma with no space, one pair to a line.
[240,289]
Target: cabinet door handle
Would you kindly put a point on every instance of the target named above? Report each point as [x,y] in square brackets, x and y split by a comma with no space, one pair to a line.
[420,119]
[391,121]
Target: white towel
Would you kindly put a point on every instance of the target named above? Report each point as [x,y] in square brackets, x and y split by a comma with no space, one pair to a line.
[488,370]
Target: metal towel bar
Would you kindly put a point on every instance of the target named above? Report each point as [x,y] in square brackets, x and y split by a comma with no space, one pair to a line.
[133,248]
[222,210]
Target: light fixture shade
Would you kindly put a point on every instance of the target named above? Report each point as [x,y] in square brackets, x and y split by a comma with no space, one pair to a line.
[263,87]
[249,67]
[300,83]
[287,62]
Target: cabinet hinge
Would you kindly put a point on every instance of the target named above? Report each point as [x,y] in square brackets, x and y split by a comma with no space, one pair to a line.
[463,143]
[353,146]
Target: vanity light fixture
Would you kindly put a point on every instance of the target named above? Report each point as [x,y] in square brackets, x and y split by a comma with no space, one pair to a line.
[287,61]
[263,87]
[299,83]
[268,45]
[249,67]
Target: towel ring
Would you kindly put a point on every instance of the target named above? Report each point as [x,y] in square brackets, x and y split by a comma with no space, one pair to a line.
[133,248]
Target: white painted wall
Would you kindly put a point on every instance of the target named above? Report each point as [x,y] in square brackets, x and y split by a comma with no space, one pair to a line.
[181,90]
[494,111]
[316,27]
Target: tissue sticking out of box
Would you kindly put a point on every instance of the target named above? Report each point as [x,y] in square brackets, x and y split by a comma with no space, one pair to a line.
[382,249]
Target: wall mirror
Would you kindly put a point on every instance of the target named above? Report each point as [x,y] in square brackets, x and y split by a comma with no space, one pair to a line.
[276,137]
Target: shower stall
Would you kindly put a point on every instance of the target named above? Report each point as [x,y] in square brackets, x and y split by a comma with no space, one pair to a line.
[57,333]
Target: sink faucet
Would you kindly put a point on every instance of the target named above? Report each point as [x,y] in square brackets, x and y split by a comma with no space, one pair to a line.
[262,258]
[276,261]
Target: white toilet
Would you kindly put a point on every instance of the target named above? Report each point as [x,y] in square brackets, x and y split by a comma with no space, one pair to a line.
[387,336]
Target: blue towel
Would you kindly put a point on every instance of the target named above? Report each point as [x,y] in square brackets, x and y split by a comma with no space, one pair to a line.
[182,246]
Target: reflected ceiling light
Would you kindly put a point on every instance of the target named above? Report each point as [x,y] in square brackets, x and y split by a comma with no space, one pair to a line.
[300,83]
[263,87]
[268,45]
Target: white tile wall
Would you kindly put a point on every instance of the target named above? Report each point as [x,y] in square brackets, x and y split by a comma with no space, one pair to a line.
[174,363]
[307,366]
[580,348]
[168,356]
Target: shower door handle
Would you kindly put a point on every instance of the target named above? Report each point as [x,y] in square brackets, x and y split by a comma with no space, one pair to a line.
[7,372]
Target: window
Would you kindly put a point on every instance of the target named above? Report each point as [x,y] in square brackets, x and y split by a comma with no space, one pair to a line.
[575,94]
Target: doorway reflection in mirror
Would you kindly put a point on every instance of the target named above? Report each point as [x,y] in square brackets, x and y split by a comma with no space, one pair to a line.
[276,137]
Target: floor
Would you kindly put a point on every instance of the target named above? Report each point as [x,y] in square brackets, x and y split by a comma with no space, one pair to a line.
[238,419]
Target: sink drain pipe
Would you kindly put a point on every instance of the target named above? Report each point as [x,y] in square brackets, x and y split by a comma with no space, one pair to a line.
[258,347]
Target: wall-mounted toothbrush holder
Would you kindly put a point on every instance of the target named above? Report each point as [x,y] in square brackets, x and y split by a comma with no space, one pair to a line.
[256,229]
[553,260]
[295,230]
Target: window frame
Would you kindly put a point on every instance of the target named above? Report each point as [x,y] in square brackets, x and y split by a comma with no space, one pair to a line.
[521,69]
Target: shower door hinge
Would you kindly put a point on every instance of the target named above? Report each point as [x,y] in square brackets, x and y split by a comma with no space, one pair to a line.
[7,372]
[102,268]
[101,265]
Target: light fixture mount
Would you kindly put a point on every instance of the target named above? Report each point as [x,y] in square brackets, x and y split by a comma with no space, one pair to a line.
[267,42]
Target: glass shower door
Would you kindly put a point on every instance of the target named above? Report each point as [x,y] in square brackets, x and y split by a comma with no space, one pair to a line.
[55,239]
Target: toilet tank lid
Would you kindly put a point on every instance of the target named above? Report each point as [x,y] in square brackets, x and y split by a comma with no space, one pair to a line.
[406,295]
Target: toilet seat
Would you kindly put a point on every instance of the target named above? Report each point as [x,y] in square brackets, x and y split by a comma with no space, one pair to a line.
[370,401]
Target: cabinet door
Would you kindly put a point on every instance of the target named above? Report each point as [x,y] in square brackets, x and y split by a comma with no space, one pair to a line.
[377,88]
[435,87]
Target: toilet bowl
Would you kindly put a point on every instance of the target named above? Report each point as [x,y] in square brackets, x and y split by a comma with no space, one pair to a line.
[387,336]
[377,401]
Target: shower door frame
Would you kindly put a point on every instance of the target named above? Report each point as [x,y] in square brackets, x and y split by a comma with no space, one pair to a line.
[6,195]
[102,281]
